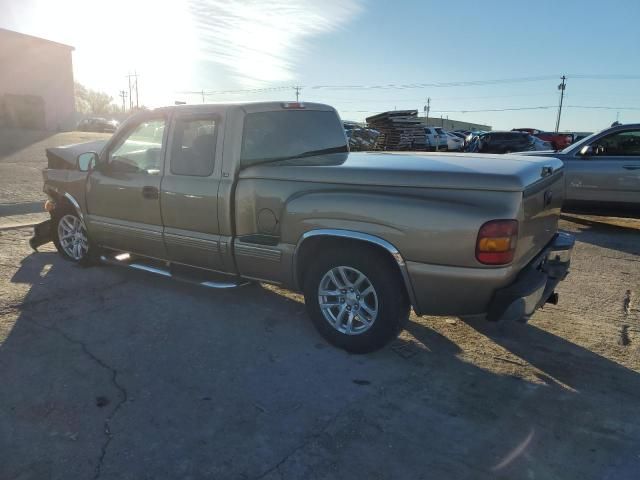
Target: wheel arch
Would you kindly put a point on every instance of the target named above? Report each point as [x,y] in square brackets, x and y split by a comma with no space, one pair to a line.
[310,241]
[64,199]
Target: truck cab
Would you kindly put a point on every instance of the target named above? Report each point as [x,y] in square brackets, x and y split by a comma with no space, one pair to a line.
[224,194]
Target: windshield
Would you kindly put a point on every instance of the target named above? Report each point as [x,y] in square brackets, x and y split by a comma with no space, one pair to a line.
[282,135]
[584,141]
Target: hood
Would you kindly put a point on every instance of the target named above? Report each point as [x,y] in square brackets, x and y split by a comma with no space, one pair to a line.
[540,153]
[65,157]
[409,169]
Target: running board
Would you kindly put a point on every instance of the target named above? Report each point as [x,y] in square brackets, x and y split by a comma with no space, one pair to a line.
[192,275]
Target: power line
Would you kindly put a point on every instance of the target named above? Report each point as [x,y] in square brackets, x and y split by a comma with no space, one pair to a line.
[395,86]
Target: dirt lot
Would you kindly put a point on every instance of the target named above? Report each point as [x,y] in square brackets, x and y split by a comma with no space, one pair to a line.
[112,374]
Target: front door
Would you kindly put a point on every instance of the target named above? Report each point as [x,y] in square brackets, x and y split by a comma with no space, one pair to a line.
[189,193]
[123,191]
[610,174]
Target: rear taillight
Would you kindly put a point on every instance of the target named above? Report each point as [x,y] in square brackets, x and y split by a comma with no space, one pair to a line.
[497,241]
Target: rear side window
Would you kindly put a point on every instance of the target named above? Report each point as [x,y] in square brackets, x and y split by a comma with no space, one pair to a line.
[193,147]
[278,135]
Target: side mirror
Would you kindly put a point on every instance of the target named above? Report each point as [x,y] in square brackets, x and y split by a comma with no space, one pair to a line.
[87,161]
[586,151]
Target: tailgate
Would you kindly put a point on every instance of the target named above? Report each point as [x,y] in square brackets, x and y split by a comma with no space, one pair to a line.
[541,203]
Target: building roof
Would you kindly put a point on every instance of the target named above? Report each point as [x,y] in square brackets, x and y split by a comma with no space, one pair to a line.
[39,39]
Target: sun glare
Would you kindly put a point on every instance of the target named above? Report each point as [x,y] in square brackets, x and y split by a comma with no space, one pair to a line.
[187,45]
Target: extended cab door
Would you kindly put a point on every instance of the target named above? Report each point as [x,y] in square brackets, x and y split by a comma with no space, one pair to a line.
[189,191]
[123,190]
[610,173]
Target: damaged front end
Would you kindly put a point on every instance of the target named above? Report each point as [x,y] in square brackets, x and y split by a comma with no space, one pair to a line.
[64,184]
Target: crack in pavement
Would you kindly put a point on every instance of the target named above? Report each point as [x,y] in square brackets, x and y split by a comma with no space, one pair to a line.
[308,440]
[114,381]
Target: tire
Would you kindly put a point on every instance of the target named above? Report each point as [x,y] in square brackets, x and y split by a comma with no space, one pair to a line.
[77,248]
[367,333]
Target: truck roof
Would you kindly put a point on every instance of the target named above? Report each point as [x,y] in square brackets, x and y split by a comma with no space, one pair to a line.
[248,106]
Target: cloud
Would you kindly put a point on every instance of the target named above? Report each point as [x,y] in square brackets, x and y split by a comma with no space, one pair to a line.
[261,41]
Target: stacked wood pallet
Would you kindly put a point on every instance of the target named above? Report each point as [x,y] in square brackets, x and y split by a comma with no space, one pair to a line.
[399,130]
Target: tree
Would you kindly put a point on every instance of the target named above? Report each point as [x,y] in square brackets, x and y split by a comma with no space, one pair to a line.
[92,101]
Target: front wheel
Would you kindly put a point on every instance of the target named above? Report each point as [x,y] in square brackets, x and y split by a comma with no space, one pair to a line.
[356,299]
[71,239]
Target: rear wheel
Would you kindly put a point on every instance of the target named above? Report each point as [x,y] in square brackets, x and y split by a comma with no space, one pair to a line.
[71,239]
[356,299]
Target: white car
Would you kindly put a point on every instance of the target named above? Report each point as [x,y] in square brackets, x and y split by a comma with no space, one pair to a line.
[437,138]
[454,142]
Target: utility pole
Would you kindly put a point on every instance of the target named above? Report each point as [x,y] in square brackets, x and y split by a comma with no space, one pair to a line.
[427,107]
[123,95]
[561,87]
[136,76]
[130,97]
[135,86]
[202,96]
[297,89]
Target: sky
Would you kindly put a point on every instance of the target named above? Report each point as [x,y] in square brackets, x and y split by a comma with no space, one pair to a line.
[472,59]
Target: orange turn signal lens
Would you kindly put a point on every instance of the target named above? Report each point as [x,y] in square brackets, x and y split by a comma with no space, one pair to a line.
[49,206]
[500,244]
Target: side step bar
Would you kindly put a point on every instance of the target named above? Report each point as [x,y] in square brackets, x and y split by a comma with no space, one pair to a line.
[165,269]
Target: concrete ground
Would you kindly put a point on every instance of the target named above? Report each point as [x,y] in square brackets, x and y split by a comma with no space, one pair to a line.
[112,374]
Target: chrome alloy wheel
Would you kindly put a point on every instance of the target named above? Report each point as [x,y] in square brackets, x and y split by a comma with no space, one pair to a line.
[348,300]
[72,235]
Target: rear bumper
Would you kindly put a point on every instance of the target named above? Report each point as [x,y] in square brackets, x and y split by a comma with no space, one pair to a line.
[534,285]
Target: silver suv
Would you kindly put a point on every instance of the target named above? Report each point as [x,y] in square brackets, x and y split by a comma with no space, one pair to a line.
[602,169]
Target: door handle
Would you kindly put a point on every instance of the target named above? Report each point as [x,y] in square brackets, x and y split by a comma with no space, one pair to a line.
[631,167]
[150,193]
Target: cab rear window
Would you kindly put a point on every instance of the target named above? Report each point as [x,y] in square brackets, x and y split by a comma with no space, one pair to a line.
[269,136]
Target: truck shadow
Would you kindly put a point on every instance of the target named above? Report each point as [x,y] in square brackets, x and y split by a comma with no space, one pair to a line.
[190,381]
[614,233]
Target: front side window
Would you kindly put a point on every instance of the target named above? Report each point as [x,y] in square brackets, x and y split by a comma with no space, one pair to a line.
[193,147]
[279,135]
[139,150]
[621,144]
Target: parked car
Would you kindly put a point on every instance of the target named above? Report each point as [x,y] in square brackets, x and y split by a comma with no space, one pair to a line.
[364,236]
[472,136]
[454,142]
[501,142]
[541,145]
[603,170]
[464,133]
[97,124]
[557,140]
[436,138]
[577,136]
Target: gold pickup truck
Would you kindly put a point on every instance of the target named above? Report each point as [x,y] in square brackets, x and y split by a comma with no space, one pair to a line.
[222,194]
